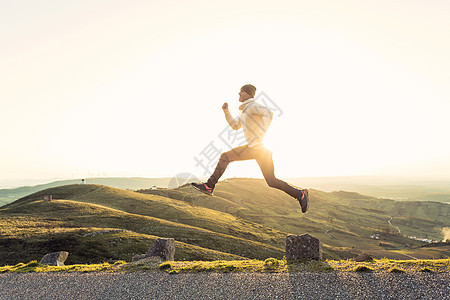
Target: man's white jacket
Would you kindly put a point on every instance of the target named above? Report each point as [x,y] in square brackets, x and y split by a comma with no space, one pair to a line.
[254,118]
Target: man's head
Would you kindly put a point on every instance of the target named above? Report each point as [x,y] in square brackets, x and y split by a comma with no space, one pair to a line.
[247,92]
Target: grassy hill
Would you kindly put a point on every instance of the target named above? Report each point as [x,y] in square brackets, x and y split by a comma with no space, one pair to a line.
[337,218]
[163,208]
[106,207]
[376,186]
[245,218]
[132,183]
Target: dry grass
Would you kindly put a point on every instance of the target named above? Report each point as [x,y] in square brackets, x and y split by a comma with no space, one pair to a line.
[273,265]
[268,265]
[35,267]
[388,265]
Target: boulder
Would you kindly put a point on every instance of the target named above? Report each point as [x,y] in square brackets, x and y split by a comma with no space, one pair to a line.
[363,257]
[152,261]
[138,257]
[164,248]
[55,258]
[300,247]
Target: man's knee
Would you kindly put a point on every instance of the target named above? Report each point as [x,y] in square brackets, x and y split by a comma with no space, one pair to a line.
[272,182]
[224,157]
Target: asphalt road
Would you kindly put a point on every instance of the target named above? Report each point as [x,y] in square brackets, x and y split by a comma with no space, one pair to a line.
[159,285]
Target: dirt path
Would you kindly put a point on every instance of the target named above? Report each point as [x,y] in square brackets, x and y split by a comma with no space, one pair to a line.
[389,221]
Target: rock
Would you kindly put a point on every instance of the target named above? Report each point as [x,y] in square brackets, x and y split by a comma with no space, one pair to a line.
[303,247]
[363,257]
[164,248]
[152,261]
[55,258]
[138,257]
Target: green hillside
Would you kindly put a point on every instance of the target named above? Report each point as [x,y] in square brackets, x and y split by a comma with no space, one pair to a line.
[40,227]
[245,218]
[120,210]
[340,219]
[84,246]
[163,208]
[131,183]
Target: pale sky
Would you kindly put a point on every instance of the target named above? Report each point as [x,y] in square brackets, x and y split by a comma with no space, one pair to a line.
[135,88]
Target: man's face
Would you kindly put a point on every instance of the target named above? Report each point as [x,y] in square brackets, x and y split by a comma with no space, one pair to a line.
[243,96]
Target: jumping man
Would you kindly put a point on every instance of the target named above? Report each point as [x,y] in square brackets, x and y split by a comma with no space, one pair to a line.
[254,119]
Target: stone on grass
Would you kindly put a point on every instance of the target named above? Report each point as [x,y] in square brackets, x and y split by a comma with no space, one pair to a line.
[301,247]
[363,257]
[55,258]
[164,248]
[138,257]
[152,261]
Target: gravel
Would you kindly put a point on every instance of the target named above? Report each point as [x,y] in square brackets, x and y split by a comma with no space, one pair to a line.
[160,285]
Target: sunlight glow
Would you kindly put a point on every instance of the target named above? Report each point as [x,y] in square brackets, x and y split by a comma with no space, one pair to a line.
[136,90]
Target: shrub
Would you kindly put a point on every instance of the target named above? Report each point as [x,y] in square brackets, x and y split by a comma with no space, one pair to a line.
[165,265]
[32,264]
[426,270]
[29,267]
[271,263]
[227,268]
[328,268]
[395,270]
[362,268]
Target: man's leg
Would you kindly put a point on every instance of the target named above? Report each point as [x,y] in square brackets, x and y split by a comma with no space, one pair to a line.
[238,153]
[264,158]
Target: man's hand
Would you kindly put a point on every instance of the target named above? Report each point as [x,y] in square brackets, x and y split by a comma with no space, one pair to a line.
[225,106]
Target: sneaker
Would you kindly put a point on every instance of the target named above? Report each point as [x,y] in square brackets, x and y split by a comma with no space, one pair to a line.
[203,187]
[303,199]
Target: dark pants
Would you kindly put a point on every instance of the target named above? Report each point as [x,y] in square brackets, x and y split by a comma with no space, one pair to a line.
[263,157]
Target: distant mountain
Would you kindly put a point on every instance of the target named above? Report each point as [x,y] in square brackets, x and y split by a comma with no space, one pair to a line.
[401,189]
[15,183]
[245,218]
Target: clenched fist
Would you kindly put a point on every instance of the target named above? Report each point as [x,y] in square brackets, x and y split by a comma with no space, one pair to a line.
[225,106]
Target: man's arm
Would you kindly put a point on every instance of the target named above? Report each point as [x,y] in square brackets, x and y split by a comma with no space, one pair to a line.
[234,123]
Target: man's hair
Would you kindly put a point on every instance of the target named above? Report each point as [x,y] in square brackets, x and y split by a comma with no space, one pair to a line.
[249,89]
